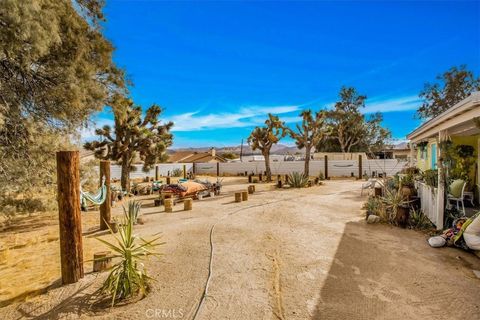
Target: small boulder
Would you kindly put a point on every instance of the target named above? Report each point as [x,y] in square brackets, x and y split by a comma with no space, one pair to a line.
[373,219]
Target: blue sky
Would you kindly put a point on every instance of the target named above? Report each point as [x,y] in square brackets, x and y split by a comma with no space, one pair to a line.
[218,67]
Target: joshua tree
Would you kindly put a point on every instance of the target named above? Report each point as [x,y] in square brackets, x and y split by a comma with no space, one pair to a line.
[148,138]
[263,138]
[309,134]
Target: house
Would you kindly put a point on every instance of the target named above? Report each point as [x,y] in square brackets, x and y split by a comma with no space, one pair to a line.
[459,124]
[399,151]
[195,157]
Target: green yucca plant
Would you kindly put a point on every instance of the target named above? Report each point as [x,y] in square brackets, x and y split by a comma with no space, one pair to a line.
[128,276]
[419,221]
[133,211]
[297,180]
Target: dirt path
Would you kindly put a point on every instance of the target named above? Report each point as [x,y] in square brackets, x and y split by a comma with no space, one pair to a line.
[290,254]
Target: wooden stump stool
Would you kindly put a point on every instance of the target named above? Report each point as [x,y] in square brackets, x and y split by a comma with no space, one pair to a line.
[101,261]
[168,203]
[238,197]
[187,204]
[244,195]
[251,189]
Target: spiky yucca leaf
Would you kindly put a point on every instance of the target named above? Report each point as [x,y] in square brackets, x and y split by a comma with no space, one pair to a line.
[128,276]
[297,180]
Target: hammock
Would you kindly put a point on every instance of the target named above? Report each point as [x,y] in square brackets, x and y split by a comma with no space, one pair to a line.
[96,198]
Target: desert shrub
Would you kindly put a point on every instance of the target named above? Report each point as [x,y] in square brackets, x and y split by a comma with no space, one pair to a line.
[321,176]
[128,276]
[177,172]
[407,180]
[374,206]
[297,180]
[411,171]
[419,221]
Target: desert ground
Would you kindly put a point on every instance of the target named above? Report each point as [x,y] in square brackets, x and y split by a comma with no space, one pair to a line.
[283,254]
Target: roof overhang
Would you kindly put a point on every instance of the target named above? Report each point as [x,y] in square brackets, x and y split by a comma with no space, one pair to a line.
[458,120]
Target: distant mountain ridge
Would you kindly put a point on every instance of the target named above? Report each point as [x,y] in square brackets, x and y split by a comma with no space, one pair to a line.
[280,149]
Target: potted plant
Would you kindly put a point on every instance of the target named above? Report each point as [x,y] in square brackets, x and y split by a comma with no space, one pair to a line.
[397,207]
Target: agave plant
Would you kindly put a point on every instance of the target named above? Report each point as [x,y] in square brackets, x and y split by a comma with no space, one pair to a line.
[418,220]
[297,180]
[393,200]
[128,276]
[133,211]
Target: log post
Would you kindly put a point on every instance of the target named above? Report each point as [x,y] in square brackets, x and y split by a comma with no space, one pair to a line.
[238,197]
[168,204]
[360,169]
[194,169]
[259,177]
[244,195]
[251,189]
[157,173]
[184,171]
[187,204]
[101,261]
[106,206]
[326,167]
[250,178]
[168,180]
[70,219]
[218,169]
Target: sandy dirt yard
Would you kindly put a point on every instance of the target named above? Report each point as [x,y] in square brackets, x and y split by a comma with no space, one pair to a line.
[283,254]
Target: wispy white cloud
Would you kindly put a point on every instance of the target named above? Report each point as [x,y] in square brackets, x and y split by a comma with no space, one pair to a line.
[405,103]
[245,117]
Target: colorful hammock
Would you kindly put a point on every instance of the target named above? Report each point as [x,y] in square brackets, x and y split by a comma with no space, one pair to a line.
[97,198]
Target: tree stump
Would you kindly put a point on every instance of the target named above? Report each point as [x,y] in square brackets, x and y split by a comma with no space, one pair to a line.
[157,202]
[251,189]
[187,204]
[378,192]
[260,177]
[244,195]
[238,197]
[168,203]
[279,184]
[168,180]
[101,261]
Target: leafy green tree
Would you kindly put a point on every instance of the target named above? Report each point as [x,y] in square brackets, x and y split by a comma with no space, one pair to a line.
[348,129]
[456,84]
[55,70]
[133,136]
[308,134]
[263,138]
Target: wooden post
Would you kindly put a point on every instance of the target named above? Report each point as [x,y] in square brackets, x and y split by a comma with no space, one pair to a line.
[157,173]
[101,261]
[326,167]
[168,203]
[106,206]
[70,219]
[194,169]
[238,197]
[259,177]
[244,195]
[187,204]
[184,171]
[360,169]
[168,180]
[250,178]
[218,169]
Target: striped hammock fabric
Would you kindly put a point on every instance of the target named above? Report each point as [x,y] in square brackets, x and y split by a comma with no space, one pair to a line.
[97,198]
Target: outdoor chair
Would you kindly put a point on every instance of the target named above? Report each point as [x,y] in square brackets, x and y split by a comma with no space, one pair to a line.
[370,184]
[458,197]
